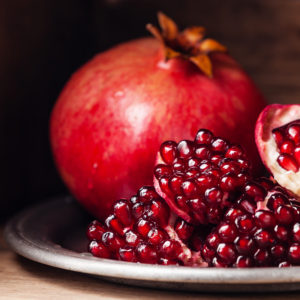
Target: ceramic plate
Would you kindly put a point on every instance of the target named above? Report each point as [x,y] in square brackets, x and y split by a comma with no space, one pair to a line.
[53,233]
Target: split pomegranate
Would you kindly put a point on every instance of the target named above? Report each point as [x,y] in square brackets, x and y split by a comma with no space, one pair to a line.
[261,229]
[199,178]
[144,230]
[117,109]
[278,141]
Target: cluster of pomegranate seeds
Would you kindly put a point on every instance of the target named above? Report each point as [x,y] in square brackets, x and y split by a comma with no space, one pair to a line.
[142,229]
[287,139]
[200,177]
[261,229]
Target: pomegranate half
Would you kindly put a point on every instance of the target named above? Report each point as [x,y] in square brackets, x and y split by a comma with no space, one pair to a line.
[117,109]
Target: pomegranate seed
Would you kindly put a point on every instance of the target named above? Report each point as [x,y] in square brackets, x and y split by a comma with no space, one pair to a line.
[293,133]
[204,136]
[122,212]
[182,203]
[156,236]
[95,231]
[146,253]
[234,152]
[245,224]
[170,249]
[294,253]
[263,238]
[185,149]
[284,215]
[287,162]
[229,182]
[261,257]
[228,166]
[193,162]
[183,230]
[244,245]
[99,250]
[265,218]
[162,170]
[218,263]
[113,223]
[278,251]
[138,210]
[179,166]
[243,262]
[189,188]
[202,152]
[131,238]
[214,195]
[281,233]
[207,253]
[168,152]
[255,191]
[278,136]
[297,154]
[127,254]
[284,264]
[287,147]
[143,227]
[227,253]
[112,241]
[213,240]
[227,232]
[296,232]
[147,194]
[277,200]
[219,145]
[233,213]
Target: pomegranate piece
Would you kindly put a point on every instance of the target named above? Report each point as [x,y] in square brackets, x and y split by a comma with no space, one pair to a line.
[199,178]
[277,136]
[144,230]
[267,236]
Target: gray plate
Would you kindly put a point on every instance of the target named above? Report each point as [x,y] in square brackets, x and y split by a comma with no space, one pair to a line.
[53,233]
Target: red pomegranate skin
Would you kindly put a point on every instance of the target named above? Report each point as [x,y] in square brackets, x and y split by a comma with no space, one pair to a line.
[116,110]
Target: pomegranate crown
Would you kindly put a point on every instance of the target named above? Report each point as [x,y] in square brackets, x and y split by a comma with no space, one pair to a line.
[188,44]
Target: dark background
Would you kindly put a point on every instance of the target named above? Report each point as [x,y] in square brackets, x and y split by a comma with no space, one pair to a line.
[43,42]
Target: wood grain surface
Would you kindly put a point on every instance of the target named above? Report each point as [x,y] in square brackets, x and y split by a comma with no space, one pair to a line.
[23,279]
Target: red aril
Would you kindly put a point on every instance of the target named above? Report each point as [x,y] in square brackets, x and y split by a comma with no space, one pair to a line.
[118,108]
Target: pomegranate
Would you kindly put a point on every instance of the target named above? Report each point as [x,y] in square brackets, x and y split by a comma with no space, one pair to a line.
[277,137]
[117,109]
[199,178]
[261,229]
[144,230]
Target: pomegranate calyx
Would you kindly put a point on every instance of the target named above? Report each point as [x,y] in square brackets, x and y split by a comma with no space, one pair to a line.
[188,44]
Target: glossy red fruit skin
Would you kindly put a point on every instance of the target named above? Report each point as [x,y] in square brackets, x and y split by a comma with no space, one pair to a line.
[268,143]
[117,109]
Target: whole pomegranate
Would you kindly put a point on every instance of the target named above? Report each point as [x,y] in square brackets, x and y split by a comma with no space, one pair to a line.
[117,109]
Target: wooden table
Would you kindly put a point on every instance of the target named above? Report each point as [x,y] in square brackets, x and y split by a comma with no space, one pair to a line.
[23,279]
